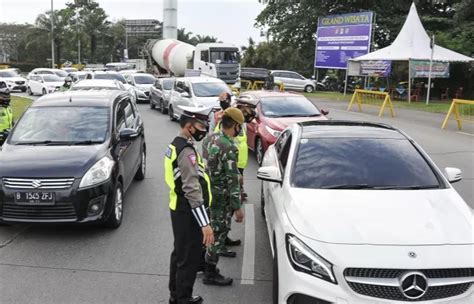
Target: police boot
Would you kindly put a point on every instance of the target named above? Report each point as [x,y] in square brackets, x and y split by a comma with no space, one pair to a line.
[231,242]
[212,277]
[226,252]
[193,300]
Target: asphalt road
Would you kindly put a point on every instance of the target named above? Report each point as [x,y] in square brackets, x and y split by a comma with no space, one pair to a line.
[130,265]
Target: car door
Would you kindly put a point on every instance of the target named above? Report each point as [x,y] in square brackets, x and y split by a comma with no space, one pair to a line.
[252,129]
[133,121]
[124,148]
[177,99]
[35,84]
[299,81]
[155,92]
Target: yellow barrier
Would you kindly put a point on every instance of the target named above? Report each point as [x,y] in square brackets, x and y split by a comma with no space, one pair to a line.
[374,100]
[258,84]
[4,66]
[247,87]
[455,108]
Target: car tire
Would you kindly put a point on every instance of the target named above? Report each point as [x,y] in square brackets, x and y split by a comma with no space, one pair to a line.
[171,113]
[23,90]
[140,175]
[152,105]
[44,92]
[116,215]
[309,89]
[29,91]
[259,153]
[163,109]
[262,201]
[276,276]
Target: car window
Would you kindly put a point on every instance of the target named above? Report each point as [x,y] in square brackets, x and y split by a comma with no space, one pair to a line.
[167,84]
[158,85]
[129,115]
[281,141]
[329,162]
[288,106]
[285,152]
[120,117]
[186,87]
[179,85]
[276,74]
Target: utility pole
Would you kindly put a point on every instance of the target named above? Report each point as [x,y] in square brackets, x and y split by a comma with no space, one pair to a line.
[52,35]
[432,45]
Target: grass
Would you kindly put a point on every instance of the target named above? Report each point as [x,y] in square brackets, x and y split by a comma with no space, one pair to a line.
[434,106]
[19,105]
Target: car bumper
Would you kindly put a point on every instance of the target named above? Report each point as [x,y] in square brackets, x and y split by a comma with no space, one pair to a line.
[71,205]
[302,288]
[15,87]
[143,95]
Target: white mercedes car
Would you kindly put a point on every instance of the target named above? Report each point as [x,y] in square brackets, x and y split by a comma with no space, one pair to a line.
[358,213]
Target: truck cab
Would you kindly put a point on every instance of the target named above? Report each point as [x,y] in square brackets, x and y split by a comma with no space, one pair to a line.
[218,60]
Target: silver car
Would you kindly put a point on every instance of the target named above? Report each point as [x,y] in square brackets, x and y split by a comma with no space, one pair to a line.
[294,81]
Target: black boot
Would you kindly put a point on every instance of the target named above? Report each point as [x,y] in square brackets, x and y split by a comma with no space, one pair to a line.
[231,242]
[193,300]
[212,277]
[226,252]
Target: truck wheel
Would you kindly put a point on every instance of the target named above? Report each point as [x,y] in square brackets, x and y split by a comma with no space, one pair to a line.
[309,89]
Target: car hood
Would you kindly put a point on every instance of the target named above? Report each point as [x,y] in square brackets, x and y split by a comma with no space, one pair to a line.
[280,123]
[145,87]
[207,101]
[48,161]
[381,217]
[13,79]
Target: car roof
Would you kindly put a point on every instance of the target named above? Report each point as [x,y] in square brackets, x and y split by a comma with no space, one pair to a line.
[109,83]
[348,129]
[141,74]
[199,79]
[266,93]
[92,98]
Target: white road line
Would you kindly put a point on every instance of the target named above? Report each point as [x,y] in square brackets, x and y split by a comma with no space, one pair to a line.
[464,133]
[248,262]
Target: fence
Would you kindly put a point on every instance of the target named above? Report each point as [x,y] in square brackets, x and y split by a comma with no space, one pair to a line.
[371,98]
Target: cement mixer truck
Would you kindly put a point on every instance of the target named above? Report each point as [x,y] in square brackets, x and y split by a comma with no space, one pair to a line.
[217,60]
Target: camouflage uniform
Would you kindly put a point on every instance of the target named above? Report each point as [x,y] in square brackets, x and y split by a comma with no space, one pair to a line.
[221,154]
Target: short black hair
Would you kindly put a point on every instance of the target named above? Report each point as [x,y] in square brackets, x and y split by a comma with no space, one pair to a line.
[183,120]
[227,122]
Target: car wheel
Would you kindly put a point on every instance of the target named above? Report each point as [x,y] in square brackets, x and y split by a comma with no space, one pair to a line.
[309,89]
[115,218]
[262,201]
[152,105]
[164,110]
[259,151]
[23,90]
[171,113]
[276,277]
[29,91]
[44,92]
[140,175]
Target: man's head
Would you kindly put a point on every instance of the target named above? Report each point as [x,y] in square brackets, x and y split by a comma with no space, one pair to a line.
[68,81]
[225,100]
[194,122]
[247,105]
[232,121]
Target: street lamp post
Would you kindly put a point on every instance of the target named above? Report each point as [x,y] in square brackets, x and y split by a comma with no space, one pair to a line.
[52,35]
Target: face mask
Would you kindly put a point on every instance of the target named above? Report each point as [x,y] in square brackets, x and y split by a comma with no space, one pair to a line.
[237,130]
[249,117]
[224,104]
[198,135]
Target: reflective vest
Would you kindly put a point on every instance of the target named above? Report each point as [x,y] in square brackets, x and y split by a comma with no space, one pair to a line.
[178,201]
[242,146]
[6,118]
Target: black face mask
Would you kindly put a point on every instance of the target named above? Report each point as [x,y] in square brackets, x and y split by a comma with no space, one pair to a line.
[224,104]
[198,135]
[249,117]
[237,129]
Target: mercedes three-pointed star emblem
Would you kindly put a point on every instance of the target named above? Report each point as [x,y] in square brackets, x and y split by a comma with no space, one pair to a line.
[413,285]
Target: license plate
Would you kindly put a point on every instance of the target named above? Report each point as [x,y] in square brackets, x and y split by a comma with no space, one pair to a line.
[35,198]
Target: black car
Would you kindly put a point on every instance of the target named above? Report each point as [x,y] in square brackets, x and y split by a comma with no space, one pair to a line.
[160,94]
[254,74]
[71,157]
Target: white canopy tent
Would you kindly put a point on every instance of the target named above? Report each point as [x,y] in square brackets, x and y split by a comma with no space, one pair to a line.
[413,43]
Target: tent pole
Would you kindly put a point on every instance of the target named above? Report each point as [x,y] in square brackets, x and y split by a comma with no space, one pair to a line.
[409,81]
[316,78]
[431,67]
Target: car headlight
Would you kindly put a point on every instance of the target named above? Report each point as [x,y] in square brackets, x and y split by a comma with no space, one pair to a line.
[98,173]
[304,259]
[273,132]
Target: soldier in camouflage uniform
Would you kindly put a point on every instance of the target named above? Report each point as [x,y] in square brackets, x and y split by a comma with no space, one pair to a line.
[221,154]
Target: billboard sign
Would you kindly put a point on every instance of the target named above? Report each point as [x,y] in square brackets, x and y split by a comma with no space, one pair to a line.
[342,37]
[376,68]
[421,69]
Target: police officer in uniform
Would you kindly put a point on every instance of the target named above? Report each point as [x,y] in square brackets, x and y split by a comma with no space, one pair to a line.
[6,115]
[190,196]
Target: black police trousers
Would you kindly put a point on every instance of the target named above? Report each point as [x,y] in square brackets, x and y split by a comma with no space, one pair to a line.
[186,256]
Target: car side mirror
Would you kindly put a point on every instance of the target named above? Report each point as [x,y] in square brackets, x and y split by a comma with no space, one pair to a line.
[185,95]
[453,175]
[127,134]
[324,112]
[270,174]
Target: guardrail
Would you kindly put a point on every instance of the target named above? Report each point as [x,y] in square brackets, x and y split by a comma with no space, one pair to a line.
[371,98]
[455,108]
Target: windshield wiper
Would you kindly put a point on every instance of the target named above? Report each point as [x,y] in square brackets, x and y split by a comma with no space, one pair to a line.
[359,186]
[58,143]
[414,187]
[86,142]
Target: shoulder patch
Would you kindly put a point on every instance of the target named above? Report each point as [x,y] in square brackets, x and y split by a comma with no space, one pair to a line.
[168,152]
[192,159]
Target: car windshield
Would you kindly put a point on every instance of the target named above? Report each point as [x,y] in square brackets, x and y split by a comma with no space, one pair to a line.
[110,76]
[209,89]
[71,125]
[51,78]
[168,84]
[8,74]
[144,79]
[60,73]
[288,106]
[358,163]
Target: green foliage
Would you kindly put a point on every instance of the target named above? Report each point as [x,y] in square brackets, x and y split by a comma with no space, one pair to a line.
[188,37]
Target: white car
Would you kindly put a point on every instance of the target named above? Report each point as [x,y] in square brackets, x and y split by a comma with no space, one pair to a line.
[358,213]
[143,83]
[294,81]
[195,92]
[13,80]
[43,84]
[45,71]
[111,75]
[98,84]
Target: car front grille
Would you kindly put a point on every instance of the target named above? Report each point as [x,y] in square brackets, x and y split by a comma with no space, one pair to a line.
[60,211]
[386,283]
[20,82]
[38,184]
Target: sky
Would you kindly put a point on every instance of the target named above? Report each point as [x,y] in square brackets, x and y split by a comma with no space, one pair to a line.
[231,21]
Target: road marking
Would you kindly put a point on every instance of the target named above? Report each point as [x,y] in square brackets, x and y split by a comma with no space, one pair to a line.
[465,133]
[248,262]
